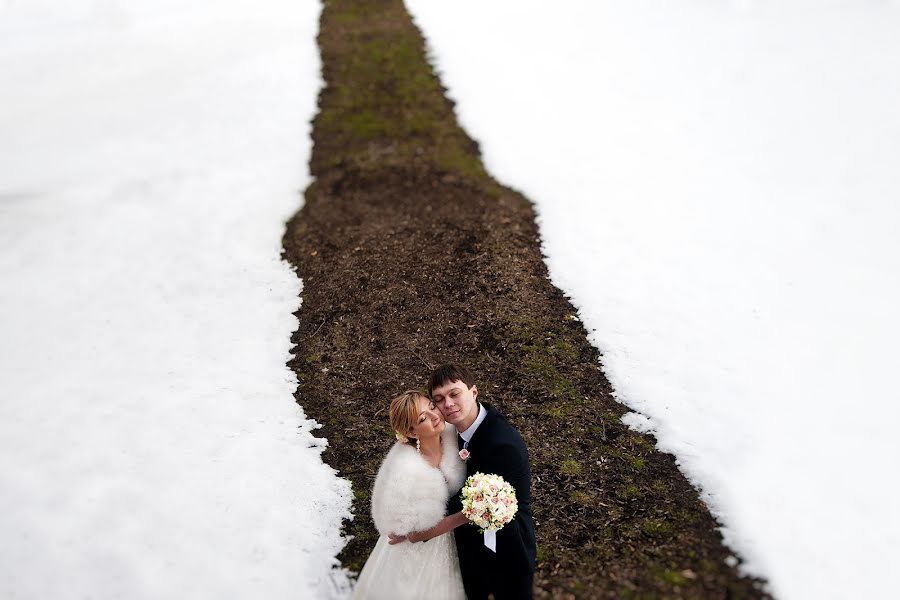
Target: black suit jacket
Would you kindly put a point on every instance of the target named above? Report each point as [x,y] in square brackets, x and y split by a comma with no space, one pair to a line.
[497,448]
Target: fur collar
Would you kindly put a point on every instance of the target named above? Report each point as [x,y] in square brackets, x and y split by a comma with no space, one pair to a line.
[411,495]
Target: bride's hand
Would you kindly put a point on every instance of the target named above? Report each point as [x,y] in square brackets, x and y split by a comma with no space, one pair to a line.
[394,538]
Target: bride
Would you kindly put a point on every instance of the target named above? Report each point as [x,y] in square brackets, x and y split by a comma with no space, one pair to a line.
[409,498]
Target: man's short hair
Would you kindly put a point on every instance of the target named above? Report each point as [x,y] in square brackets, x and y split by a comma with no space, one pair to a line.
[449,373]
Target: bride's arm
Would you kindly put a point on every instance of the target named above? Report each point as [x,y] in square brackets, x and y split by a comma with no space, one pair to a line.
[448,523]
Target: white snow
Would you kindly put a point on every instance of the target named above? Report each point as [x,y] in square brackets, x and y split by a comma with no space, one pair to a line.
[717,185]
[150,446]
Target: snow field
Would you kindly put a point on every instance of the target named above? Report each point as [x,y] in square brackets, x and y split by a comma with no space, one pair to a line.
[716,185]
[150,446]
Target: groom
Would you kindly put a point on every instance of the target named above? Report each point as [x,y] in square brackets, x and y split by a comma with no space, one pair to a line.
[502,562]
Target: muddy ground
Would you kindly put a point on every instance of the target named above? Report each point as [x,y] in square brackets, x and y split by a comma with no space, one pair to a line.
[412,255]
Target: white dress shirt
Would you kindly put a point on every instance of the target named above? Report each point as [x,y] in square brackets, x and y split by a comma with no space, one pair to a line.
[468,433]
[490,537]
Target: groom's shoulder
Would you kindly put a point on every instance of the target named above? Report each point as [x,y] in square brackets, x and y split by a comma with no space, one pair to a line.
[502,428]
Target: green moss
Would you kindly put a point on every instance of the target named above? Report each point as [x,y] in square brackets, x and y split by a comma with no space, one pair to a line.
[382,430]
[673,577]
[640,441]
[614,513]
[361,494]
[557,411]
[570,466]
[628,491]
[578,589]
[464,163]
[540,354]
[708,566]
[348,14]
[354,566]
[580,498]
[367,125]
[656,527]
[630,458]
[310,350]
[381,90]
[598,431]
[688,517]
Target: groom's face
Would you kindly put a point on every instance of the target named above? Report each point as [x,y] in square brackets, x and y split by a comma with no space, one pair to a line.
[457,402]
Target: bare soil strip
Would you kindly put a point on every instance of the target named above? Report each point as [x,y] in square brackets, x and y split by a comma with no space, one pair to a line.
[411,255]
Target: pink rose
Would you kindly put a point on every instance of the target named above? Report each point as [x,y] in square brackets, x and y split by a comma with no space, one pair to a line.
[464,454]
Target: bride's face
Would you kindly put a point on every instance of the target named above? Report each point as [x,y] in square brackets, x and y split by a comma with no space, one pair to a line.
[429,421]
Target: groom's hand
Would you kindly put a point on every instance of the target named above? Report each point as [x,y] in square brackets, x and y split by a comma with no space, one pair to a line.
[394,538]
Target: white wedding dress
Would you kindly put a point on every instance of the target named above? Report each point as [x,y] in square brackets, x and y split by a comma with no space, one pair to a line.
[411,495]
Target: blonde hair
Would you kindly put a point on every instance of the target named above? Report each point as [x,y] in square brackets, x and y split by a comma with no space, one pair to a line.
[404,413]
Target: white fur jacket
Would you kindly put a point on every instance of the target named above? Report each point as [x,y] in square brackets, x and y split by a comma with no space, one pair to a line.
[411,495]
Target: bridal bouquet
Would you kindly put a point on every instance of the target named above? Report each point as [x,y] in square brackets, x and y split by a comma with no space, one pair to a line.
[488,501]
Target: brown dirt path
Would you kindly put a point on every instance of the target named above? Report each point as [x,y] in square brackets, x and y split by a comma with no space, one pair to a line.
[411,255]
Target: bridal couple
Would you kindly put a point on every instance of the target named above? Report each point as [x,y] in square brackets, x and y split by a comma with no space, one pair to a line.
[427,548]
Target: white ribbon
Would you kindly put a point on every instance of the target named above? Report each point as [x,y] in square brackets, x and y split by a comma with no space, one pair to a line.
[490,539]
[490,536]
